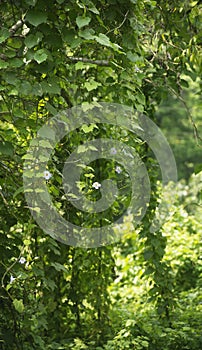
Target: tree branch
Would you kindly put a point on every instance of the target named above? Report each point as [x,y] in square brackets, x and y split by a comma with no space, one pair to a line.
[88,60]
[16,26]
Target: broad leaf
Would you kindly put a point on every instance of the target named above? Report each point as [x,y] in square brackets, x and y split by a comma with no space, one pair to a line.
[3,64]
[36,17]
[18,304]
[103,40]
[33,39]
[4,34]
[91,85]
[82,21]
[6,148]
[41,56]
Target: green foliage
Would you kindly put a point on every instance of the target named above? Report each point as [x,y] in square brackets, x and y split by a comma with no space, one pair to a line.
[143,293]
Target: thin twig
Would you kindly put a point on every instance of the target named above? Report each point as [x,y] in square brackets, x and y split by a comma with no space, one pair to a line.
[4,199]
[122,23]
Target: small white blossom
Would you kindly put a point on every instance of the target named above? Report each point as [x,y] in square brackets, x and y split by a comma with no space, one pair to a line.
[47,175]
[22,260]
[96,185]
[12,279]
[113,150]
[118,169]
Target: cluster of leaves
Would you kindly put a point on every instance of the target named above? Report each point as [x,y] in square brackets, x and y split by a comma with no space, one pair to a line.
[55,55]
[133,310]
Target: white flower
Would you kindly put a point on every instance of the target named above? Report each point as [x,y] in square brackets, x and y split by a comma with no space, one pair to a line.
[96,185]
[113,150]
[12,279]
[118,169]
[22,260]
[47,175]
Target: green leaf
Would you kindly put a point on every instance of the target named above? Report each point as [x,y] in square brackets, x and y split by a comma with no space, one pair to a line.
[91,85]
[148,254]
[36,17]
[11,78]
[49,284]
[86,129]
[184,83]
[139,107]
[103,40]
[3,64]
[81,149]
[193,3]
[25,88]
[50,87]
[82,21]
[16,62]
[33,39]
[51,108]
[54,40]
[6,148]
[41,56]
[18,304]
[140,98]
[19,190]
[75,43]
[15,43]
[92,8]
[68,35]
[4,34]
[58,267]
[133,58]
[197,168]
[117,48]
[54,190]
[87,34]
[80,65]
[31,2]
[145,344]
[37,89]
